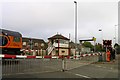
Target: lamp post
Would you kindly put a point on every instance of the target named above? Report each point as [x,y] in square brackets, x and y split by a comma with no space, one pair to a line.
[115,38]
[100,30]
[75,21]
[115,33]
[31,45]
[42,45]
[30,42]
[75,27]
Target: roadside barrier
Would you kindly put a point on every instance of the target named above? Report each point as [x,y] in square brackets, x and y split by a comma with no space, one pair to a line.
[47,56]
[19,64]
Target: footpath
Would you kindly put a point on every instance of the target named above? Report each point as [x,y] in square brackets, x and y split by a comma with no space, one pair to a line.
[109,65]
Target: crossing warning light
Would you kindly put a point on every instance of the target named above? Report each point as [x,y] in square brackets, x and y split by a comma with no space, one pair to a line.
[107,43]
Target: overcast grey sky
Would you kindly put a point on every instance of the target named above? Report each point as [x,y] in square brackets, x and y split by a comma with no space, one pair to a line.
[44,18]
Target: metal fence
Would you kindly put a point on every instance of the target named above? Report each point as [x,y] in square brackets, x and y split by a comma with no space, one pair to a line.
[25,66]
[31,66]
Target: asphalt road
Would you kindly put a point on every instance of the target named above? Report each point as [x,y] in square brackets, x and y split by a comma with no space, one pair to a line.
[86,71]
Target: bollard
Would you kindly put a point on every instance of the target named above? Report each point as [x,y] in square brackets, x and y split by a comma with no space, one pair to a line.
[104,57]
[0,68]
[100,57]
[63,63]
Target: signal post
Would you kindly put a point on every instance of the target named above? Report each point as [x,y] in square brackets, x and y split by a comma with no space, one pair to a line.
[107,44]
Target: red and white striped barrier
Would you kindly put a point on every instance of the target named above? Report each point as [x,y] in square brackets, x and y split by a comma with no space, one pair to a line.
[28,50]
[47,56]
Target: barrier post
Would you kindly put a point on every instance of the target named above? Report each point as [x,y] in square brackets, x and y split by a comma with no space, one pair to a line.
[100,57]
[0,68]
[63,63]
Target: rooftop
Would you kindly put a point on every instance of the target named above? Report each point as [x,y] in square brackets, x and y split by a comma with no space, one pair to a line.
[58,36]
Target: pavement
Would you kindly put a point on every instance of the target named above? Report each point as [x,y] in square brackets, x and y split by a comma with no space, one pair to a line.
[110,65]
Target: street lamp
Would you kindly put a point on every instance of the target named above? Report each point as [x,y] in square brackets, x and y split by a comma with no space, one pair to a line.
[30,42]
[42,45]
[100,30]
[75,21]
[75,26]
[115,33]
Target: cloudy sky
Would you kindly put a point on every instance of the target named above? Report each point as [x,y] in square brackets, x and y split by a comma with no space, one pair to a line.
[45,18]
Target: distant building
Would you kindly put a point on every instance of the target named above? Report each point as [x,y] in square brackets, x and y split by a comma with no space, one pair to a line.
[58,45]
[35,46]
[73,49]
[85,50]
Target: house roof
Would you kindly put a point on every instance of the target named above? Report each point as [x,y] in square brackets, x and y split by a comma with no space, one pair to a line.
[33,39]
[58,36]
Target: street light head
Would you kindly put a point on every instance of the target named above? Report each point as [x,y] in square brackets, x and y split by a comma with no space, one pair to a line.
[75,2]
[100,29]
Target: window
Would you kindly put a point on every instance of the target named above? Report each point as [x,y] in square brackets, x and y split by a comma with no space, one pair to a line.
[64,41]
[16,39]
[24,43]
[42,44]
[63,51]
[56,41]
[3,41]
[36,44]
[56,51]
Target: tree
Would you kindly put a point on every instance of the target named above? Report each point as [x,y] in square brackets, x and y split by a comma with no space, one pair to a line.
[116,45]
[117,48]
[98,47]
[88,44]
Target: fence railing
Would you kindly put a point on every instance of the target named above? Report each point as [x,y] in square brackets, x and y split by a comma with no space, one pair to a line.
[20,65]
[28,66]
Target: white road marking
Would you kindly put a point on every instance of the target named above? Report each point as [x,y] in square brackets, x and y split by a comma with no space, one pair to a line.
[99,66]
[82,76]
[78,75]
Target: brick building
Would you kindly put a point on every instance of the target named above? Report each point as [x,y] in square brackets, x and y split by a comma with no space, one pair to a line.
[34,46]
